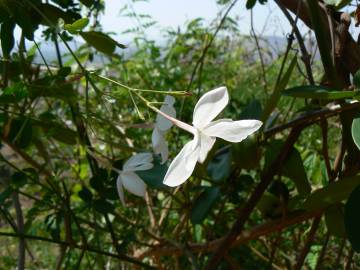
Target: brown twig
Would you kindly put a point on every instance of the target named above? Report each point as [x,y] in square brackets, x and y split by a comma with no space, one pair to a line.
[312,117]
[308,243]
[254,233]
[266,179]
[305,55]
[322,252]
[121,257]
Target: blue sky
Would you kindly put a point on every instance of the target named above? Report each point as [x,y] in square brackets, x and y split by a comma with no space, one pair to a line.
[174,13]
[268,18]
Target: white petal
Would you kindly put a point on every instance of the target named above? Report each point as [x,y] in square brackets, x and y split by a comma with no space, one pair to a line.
[120,189]
[159,144]
[209,106]
[161,122]
[232,131]
[183,165]
[139,162]
[133,183]
[169,100]
[206,143]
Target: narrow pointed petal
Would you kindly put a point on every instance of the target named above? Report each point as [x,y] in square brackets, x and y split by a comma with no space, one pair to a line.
[169,100]
[139,162]
[183,165]
[206,143]
[133,183]
[161,122]
[120,190]
[232,131]
[159,145]
[209,106]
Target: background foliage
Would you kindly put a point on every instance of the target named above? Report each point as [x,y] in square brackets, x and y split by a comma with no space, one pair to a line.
[287,198]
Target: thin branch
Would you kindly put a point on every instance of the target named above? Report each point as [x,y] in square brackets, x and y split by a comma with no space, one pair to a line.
[255,197]
[251,234]
[20,231]
[322,252]
[306,57]
[120,257]
[312,117]
[258,49]
[308,243]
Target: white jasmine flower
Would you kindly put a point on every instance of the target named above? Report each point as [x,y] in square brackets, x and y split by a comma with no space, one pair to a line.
[205,132]
[162,125]
[129,180]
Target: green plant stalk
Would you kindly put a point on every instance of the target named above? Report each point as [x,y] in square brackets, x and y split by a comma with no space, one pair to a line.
[177,93]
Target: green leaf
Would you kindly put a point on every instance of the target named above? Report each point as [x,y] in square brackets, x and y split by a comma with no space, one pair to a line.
[76,26]
[52,87]
[110,193]
[355,130]
[333,193]
[64,71]
[85,194]
[352,219]
[334,218]
[20,132]
[103,206]
[220,165]
[53,14]
[18,179]
[338,4]
[7,38]
[294,169]
[356,79]
[269,205]
[5,195]
[319,92]
[57,131]
[155,176]
[14,93]
[250,4]
[97,183]
[253,110]
[246,154]
[25,19]
[101,42]
[203,204]
[293,166]
[87,3]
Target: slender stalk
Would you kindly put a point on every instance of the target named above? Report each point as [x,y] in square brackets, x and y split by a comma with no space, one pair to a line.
[255,197]
[20,231]
[120,257]
[301,259]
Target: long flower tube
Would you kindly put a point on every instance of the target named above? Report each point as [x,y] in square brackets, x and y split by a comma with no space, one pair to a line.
[205,132]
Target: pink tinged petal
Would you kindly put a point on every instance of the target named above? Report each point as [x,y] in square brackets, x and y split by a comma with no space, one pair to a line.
[183,165]
[232,131]
[159,144]
[177,122]
[139,162]
[120,189]
[133,183]
[206,143]
[209,106]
